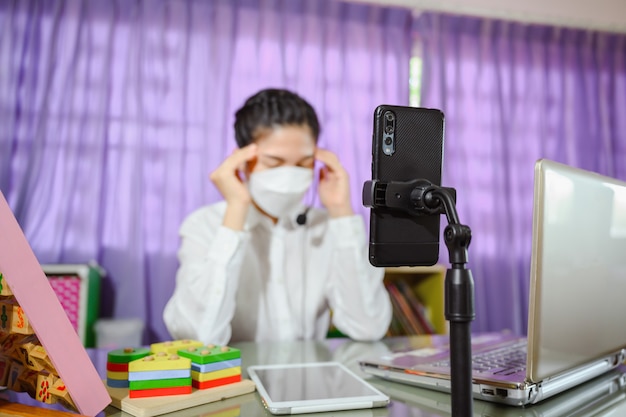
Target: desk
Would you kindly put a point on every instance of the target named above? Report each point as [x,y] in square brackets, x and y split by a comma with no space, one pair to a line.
[406,400]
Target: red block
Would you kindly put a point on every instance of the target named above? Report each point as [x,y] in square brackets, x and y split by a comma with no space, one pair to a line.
[117,367]
[159,392]
[216,382]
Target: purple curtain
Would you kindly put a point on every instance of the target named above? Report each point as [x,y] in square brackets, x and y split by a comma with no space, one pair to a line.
[113,113]
[513,93]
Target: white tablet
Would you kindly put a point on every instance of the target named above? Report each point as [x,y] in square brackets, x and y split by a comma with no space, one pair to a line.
[313,387]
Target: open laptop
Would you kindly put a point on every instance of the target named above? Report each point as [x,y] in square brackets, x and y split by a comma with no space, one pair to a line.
[576,327]
[602,396]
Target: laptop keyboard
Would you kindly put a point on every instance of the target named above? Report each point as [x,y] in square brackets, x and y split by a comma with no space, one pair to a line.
[506,360]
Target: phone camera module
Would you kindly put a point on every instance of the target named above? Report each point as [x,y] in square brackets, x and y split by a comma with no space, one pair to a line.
[388,143]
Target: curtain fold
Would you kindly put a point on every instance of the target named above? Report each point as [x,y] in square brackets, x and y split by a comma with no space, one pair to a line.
[112,115]
[513,93]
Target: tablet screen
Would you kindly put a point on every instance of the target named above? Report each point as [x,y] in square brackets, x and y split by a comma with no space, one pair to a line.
[310,387]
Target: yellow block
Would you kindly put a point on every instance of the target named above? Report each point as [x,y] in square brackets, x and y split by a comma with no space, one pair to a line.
[117,375]
[210,376]
[160,361]
[174,346]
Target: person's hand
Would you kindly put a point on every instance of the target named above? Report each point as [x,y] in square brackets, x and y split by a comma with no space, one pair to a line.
[334,185]
[226,179]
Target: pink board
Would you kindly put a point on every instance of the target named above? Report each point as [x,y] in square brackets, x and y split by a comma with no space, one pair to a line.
[33,292]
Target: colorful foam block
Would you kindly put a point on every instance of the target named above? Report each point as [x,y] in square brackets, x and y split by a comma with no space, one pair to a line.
[209,376]
[173,346]
[158,362]
[153,375]
[209,354]
[160,383]
[158,392]
[127,355]
[173,368]
[164,374]
[117,383]
[215,366]
[117,367]
[117,375]
[215,382]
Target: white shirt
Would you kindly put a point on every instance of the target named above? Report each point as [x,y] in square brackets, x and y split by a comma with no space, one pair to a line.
[275,282]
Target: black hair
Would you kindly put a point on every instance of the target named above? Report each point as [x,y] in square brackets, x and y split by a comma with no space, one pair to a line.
[273,107]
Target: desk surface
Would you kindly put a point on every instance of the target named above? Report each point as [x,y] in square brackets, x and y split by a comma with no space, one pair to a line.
[406,400]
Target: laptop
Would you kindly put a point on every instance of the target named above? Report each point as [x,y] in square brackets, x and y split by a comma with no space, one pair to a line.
[576,328]
[602,396]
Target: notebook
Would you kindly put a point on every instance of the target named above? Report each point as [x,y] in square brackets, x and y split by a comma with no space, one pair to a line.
[578,279]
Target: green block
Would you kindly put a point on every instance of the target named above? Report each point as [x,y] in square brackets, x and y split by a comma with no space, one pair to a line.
[126,355]
[210,354]
[160,383]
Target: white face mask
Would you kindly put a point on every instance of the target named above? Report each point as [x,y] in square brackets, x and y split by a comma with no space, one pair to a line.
[279,191]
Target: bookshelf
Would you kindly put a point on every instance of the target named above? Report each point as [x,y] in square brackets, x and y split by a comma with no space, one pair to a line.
[417,295]
[422,283]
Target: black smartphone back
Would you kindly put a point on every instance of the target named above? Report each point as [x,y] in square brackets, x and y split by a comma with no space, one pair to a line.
[407,145]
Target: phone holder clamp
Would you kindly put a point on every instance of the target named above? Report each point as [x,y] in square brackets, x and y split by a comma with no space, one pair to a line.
[414,197]
[421,198]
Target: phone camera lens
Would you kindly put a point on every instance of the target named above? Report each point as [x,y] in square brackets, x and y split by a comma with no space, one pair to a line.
[388,129]
[387,141]
[389,116]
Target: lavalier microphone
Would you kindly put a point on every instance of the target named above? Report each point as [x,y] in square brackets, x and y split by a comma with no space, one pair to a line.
[301,219]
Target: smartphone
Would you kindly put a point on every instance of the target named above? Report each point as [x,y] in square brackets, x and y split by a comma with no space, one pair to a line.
[407,144]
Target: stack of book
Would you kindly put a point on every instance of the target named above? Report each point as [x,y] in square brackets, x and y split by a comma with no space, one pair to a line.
[410,317]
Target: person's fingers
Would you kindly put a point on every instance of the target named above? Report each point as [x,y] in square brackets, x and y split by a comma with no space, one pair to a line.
[329,159]
[240,156]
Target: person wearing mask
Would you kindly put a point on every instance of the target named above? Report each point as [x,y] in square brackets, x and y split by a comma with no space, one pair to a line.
[260,265]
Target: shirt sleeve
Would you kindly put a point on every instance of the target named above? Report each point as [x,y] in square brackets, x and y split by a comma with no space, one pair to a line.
[356,292]
[203,303]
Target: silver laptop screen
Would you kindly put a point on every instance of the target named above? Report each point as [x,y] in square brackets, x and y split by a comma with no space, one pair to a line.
[578,268]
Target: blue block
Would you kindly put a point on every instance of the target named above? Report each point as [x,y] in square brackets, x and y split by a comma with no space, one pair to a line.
[166,374]
[215,366]
[117,383]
